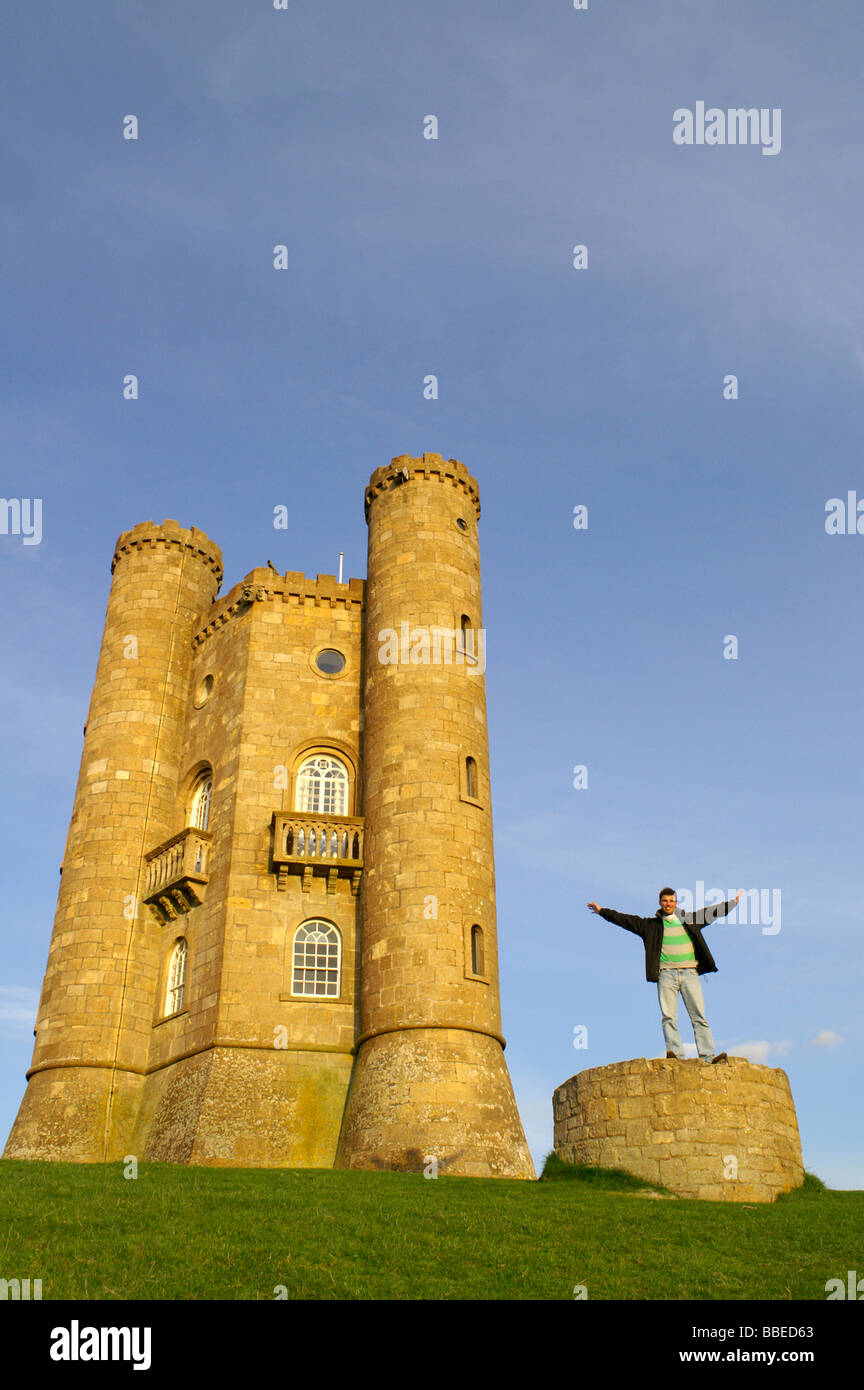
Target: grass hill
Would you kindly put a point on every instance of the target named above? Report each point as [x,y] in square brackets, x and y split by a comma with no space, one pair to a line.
[177,1232]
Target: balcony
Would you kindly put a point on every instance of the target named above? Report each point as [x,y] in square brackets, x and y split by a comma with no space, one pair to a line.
[331,846]
[177,874]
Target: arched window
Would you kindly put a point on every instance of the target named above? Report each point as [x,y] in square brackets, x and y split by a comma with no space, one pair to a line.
[176,977]
[199,805]
[477,950]
[317,960]
[322,786]
[471,777]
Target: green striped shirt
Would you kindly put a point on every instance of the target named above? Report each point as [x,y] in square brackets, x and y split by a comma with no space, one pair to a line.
[677,948]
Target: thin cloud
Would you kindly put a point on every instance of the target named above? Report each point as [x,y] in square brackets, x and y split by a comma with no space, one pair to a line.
[18,1005]
[760,1051]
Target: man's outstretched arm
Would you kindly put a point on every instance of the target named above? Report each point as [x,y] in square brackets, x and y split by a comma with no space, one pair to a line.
[710,914]
[621,919]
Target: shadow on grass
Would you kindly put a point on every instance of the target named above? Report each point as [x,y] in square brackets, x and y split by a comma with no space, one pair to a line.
[619,1180]
[607,1179]
[810,1187]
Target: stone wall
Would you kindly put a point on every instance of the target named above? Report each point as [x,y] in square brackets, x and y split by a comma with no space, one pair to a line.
[725,1131]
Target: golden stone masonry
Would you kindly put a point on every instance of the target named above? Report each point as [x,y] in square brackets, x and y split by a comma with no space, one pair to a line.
[275,940]
[724,1133]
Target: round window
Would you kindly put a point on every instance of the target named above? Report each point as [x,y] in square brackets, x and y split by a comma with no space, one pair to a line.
[204,691]
[330,661]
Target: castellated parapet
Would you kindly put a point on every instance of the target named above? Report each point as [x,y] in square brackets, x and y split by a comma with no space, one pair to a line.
[724,1132]
[275,939]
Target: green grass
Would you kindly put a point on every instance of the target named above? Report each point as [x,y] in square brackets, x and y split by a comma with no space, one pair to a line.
[177,1232]
[612,1179]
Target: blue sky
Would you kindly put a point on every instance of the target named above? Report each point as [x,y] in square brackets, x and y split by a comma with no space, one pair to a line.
[557,387]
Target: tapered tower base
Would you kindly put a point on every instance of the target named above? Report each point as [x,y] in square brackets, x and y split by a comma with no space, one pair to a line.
[235,1107]
[441,1094]
[63,1116]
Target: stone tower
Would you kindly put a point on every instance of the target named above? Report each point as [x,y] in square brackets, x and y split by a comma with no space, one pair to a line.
[275,941]
[430,1077]
[96,1012]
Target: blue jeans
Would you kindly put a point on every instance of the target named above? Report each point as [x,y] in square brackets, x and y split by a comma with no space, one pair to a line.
[668,985]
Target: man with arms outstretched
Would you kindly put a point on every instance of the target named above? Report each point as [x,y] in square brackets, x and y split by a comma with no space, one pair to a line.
[675,957]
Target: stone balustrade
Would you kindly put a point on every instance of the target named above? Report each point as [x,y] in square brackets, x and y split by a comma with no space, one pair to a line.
[176,873]
[311,844]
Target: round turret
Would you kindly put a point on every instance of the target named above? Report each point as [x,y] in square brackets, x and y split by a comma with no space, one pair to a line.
[96,1009]
[430,1077]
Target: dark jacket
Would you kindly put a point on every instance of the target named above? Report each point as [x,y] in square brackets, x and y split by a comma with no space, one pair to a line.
[651,931]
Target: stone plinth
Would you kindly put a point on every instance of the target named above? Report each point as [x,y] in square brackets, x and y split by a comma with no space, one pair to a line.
[724,1132]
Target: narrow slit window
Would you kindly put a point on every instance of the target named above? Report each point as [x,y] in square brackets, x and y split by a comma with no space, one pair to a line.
[477,964]
[471,778]
[467,638]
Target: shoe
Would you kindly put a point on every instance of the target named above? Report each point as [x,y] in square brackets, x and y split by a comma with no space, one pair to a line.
[671,1056]
[721,1057]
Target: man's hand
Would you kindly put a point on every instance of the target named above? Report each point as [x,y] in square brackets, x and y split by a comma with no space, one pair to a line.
[595,907]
